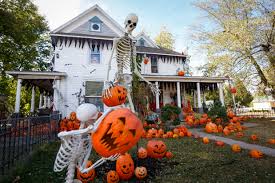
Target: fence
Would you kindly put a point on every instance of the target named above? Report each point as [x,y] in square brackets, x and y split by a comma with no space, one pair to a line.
[256,113]
[19,136]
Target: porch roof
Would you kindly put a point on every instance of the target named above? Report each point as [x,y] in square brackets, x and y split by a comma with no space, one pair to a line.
[186,79]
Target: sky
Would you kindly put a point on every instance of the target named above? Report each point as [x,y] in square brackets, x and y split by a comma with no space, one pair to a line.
[178,16]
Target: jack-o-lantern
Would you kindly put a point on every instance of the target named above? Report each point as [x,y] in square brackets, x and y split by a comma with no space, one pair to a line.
[203,121]
[117,133]
[176,131]
[205,140]
[156,148]
[239,134]
[226,131]
[112,177]
[161,132]
[181,134]
[88,176]
[254,153]
[125,166]
[211,128]
[164,136]
[142,153]
[140,172]
[233,90]
[118,96]
[230,114]
[181,73]
[220,128]
[236,148]
[169,134]
[254,137]
[70,125]
[219,143]
[271,141]
[73,116]
[146,60]
[169,155]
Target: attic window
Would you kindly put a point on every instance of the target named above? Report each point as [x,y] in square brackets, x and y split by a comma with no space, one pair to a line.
[142,42]
[95,24]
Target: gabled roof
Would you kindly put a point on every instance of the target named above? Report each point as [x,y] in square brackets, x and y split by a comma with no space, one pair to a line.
[147,39]
[85,17]
[158,51]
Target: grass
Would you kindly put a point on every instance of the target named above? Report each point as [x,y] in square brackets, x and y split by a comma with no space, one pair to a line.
[193,161]
[265,130]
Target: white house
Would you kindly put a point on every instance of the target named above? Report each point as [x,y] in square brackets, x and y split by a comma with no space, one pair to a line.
[82,48]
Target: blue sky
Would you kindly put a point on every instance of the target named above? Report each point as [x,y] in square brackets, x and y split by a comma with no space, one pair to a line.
[177,15]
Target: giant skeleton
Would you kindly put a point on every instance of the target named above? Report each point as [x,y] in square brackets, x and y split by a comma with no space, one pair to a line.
[76,145]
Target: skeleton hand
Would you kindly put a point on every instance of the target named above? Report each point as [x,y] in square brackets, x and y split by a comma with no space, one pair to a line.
[154,88]
[113,157]
[106,93]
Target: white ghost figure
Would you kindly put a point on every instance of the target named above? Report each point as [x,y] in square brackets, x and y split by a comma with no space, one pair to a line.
[87,112]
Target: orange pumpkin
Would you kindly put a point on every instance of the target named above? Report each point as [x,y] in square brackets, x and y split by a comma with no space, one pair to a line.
[233,90]
[239,134]
[63,123]
[161,132]
[146,60]
[236,148]
[117,133]
[181,73]
[76,124]
[70,125]
[73,116]
[230,114]
[154,132]
[176,131]
[235,119]
[118,96]
[271,141]
[181,134]
[204,115]
[218,120]
[203,121]
[175,136]
[220,128]
[86,177]
[226,131]
[254,153]
[164,136]
[189,134]
[205,140]
[169,134]
[219,143]
[112,177]
[142,153]
[254,137]
[125,166]
[156,148]
[140,172]
[211,128]
[169,155]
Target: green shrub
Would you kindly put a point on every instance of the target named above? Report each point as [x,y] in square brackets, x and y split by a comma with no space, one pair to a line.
[218,111]
[170,114]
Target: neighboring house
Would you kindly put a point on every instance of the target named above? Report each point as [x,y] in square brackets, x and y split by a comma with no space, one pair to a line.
[263,103]
[82,49]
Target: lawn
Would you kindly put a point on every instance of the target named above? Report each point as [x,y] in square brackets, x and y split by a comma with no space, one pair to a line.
[265,130]
[193,161]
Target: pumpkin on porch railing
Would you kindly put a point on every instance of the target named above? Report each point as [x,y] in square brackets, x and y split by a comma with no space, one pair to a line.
[181,73]
[233,90]
[146,60]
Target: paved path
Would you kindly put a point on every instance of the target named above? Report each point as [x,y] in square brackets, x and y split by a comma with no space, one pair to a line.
[265,150]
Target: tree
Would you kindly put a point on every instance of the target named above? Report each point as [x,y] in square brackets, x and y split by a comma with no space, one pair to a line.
[241,43]
[165,39]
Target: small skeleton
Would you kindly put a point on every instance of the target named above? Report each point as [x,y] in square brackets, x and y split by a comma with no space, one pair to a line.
[76,145]
[125,57]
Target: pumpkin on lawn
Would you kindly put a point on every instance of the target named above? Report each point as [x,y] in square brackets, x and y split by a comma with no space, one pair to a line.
[236,148]
[169,155]
[271,141]
[117,133]
[239,134]
[88,176]
[219,143]
[142,153]
[141,172]
[211,128]
[230,114]
[254,137]
[118,96]
[205,140]
[156,148]
[112,177]
[254,153]
[125,166]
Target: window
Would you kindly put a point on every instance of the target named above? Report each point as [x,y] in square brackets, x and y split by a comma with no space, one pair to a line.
[95,27]
[93,92]
[95,55]
[141,42]
[154,65]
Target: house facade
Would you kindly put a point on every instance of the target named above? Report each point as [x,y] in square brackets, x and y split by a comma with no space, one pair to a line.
[82,48]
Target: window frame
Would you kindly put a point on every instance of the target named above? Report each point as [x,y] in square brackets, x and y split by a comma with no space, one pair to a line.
[154,65]
[94,96]
[93,53]
[95,23]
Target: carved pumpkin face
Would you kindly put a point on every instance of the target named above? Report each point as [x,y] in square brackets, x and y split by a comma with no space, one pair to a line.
[73,116]
[125,167]
[112,177]
[236,148]
[117,133]
[142,153]
[156,148]
[254,153]
[86,177]
[141,172]
[119,94]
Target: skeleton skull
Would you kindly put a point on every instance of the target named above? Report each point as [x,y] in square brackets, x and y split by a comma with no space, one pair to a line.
[131,22]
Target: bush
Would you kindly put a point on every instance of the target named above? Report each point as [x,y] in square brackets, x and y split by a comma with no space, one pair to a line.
[218,111]
[170,113]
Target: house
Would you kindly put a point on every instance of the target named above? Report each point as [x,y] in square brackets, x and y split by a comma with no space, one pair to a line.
[82,48]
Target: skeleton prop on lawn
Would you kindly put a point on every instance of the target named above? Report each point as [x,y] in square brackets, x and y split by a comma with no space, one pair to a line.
[117,129]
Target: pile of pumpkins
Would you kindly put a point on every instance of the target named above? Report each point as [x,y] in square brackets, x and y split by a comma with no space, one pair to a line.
[125,167]
[177,132]
[69,124]
[191,121]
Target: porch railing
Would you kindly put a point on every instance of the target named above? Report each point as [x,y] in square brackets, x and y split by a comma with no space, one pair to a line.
[255,113]
[19,136]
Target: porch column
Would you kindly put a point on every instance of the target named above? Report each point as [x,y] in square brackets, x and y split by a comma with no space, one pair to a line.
[199,97]
[157,97]
[49,101]
[194,99]
[220,86]
[18,96]
[33,99]
[184,96]
[40,100]
[45,102]
[178,95]
[56,95]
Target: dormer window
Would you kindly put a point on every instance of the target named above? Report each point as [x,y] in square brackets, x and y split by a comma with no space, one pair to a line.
[95,24]
[141,42]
